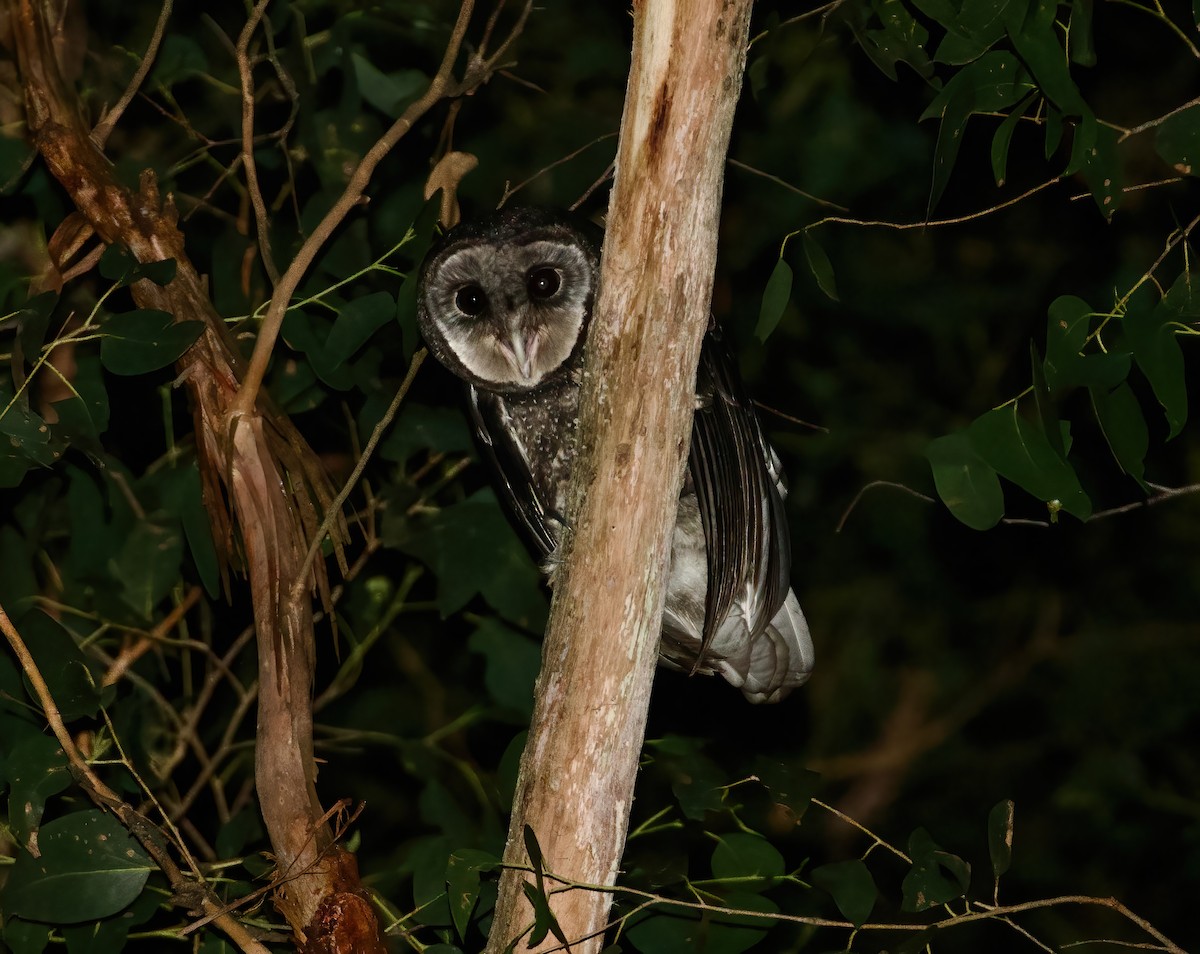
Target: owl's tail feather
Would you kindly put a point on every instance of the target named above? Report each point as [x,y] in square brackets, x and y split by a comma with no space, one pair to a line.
[780,658]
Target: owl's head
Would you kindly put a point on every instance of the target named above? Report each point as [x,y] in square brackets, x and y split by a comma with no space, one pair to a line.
[504,300]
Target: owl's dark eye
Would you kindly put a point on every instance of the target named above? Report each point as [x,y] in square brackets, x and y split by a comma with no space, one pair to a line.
[543,283]
[470,300]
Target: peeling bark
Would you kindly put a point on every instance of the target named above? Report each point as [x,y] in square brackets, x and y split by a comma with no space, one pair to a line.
[579,765]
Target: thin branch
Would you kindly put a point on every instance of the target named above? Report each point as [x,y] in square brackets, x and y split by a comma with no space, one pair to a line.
[787,185]
[932,223]
[105,127]
[509,192]
[245,72]
[133,653]
[871,486]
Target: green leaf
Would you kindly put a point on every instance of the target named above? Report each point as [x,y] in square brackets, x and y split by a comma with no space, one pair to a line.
[1083,49]
[819,264]
[1045,407]
[695,778]
[967,484]
[357,320]
[774,300]
[992,83]
[472,549]
[1124,426]
[182,494]
[1021,452]
[1150,333]
[420,427]
[513,661]
[1054,130]
[936,876]
[180,57]
[1069,321]
[25,937]
[742,855]
[16,156]
[852,887]
[116,262]
[84,415]
[148,564]
[161,273]
[18,584]
[972,27]
[1000,836]
[389,93]
[1003,139]
[68,674]
[24,431]
[1102,171]
[462,884]
[899,39]
[1031,28]
[1178,140]
[36,769]
[32,322]
[141,341]
[89,868]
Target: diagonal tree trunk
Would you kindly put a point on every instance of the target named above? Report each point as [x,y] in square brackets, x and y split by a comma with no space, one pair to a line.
[579,765]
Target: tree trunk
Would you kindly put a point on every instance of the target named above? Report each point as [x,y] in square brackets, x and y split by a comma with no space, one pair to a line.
[578,769]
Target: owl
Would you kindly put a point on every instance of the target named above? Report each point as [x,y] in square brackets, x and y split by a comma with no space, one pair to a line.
[504,303]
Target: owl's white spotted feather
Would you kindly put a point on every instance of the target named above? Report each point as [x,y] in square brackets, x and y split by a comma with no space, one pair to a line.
[504,303]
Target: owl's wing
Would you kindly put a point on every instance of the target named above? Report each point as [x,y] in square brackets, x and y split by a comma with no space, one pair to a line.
[739,489]
[513,477]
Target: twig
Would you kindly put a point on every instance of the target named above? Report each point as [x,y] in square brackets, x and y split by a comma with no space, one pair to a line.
[871,486]
[787,185]
[105,127]
[133,653]
[931,223]
[248,162]
[509,192]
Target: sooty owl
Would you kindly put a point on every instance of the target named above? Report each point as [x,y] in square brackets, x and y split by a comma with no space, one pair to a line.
[504,303]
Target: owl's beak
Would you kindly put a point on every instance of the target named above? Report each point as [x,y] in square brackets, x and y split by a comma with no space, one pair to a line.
[520,354]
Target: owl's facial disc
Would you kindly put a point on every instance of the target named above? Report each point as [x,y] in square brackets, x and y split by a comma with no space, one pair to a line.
[511,314]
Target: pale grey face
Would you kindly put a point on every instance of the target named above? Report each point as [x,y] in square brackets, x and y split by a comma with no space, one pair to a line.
[510,313]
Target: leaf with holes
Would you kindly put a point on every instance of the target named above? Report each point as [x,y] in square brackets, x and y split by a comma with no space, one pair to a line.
[89,868]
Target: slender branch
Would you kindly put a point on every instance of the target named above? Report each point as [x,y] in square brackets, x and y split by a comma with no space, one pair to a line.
[105,127]
[787,185]
[245,73]
[132,654]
